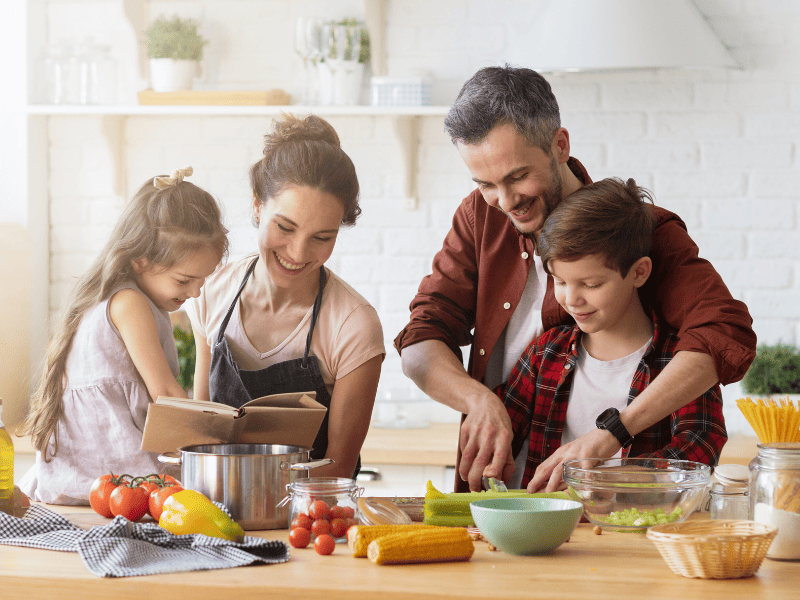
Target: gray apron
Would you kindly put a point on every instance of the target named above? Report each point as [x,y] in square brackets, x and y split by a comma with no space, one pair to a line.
[228,384]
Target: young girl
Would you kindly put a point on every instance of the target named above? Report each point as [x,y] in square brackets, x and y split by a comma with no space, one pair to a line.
[114,351]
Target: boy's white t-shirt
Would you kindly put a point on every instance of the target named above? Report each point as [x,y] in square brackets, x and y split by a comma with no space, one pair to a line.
[596,386]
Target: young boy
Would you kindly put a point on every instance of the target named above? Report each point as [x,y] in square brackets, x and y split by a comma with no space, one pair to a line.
[572,379]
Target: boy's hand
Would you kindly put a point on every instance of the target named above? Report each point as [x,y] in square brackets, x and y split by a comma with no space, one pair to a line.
[598,443]
[485,441]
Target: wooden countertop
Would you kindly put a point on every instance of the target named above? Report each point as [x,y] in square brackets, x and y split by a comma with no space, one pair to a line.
[610,566]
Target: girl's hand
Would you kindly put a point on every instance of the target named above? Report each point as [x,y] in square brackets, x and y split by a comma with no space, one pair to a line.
[132,316]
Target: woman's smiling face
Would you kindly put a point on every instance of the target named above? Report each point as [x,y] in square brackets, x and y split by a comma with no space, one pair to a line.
[297,231]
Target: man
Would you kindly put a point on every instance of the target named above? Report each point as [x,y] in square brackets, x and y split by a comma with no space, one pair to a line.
[488,288]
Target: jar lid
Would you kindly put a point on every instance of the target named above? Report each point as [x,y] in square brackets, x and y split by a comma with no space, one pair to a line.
[380,511]
[734,474]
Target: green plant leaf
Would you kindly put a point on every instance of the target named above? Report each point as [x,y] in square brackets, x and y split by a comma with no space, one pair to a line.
[174,38]
[184,341]
[775,370]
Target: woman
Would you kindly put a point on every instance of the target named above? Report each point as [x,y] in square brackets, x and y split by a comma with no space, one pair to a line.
[293,325]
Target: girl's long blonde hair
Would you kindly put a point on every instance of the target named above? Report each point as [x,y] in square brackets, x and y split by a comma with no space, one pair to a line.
[162,226]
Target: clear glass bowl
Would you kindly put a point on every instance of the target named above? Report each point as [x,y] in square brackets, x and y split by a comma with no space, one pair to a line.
[632,494]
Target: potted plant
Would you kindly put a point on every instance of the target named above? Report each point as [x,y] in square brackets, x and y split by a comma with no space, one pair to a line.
[775,371]
[175,48]
[345,48]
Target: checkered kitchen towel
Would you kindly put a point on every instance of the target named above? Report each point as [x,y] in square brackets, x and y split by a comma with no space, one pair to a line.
[122,548]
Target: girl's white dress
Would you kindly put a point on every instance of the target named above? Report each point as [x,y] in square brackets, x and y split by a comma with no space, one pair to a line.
[105,406]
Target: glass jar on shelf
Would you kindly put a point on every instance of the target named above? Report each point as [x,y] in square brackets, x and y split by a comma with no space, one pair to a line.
[774,490]
[99,76]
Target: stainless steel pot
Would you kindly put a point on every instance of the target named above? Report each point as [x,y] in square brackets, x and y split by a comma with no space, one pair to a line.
[249,479]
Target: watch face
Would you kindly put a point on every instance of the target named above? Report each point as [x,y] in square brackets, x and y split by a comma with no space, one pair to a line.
[604,416]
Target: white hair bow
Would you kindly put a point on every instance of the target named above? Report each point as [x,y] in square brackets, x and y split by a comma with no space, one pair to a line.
[174,178]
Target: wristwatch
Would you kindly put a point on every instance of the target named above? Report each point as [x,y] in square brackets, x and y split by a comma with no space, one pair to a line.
[610,421]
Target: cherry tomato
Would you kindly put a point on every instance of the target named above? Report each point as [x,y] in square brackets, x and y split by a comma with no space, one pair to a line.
[130,502]
[349,512]
[155,501]
[320,527]
[324,544]
[337,512]
[302,520]
[299,537]
[339,527]
[100,493]
[319,510]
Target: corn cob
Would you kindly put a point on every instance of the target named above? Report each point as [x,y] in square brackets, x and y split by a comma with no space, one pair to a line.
[359,536]
[438,544]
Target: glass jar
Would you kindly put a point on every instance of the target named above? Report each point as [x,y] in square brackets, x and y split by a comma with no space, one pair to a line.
[729,501]
[99,78]
[331,500]
[775,495]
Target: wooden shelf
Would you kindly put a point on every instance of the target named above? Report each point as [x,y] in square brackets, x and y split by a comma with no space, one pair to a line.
[217,110]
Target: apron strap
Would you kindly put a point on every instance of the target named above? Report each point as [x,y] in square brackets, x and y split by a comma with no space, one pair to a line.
[227,318]
[323,277]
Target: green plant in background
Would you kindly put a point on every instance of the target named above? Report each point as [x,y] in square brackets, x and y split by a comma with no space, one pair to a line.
[184,340]
[174,38]
[775,370]
[364,52]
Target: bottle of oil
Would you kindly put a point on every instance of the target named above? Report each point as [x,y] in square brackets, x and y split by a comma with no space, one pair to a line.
[6,460]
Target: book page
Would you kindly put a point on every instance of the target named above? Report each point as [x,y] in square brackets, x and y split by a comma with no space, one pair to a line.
[201,405]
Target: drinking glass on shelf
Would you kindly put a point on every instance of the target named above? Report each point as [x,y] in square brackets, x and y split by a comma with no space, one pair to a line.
[307,44]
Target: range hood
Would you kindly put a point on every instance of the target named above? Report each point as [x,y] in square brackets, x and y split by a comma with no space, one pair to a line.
[603,35]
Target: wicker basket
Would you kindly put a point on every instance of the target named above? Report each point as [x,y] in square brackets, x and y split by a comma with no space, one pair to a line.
[721,549]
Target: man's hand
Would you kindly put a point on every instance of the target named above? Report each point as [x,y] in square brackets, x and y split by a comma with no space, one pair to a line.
[485,441]
[598,443]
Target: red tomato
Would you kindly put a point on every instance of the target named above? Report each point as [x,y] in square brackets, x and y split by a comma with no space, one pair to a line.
[155,501]
[337,512]
[130,502]
[299,537]
[324,544]
[149,486]
[320,527]
[302,520]
[100,493]
[339,527]
[319,510]
[169,479]
[349,512]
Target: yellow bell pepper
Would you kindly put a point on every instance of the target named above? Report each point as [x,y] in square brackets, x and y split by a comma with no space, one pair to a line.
[187,512]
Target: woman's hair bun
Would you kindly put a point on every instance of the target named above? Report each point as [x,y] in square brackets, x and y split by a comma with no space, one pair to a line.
[290,129]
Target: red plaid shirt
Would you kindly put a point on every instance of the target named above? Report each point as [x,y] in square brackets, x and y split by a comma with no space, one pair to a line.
[537,394]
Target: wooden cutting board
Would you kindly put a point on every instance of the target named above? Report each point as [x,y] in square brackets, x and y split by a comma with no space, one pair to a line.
[274,97]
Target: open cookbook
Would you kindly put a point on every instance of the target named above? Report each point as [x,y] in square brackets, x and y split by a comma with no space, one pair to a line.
[291,419]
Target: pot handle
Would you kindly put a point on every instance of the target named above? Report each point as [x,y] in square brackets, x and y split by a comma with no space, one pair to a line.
[286,466]
[172,458]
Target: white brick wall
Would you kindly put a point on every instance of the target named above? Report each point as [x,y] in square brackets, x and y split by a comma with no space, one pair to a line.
[720,148]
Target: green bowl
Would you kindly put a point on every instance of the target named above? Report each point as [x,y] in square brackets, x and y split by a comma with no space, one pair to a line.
[526,525]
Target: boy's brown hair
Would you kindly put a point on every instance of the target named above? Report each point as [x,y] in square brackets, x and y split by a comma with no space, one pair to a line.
[608,217]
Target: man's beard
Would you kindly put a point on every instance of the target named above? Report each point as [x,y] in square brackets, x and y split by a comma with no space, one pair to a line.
[552,198]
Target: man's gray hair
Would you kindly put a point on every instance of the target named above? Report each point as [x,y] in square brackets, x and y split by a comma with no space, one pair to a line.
[499,95]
